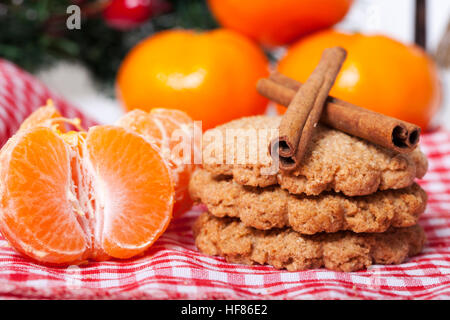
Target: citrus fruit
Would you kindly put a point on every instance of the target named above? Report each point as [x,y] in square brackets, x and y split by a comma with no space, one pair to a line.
[379,73]
[209,75]
[278,22]
[171,131]
[67,197]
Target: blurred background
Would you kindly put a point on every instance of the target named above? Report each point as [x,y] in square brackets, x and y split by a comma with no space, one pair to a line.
[101,68]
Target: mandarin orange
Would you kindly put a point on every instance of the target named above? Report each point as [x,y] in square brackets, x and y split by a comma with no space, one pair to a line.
[210,75]
[278,22]
[380,74]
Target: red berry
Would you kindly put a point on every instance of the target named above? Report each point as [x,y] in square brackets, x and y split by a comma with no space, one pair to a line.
[127,14]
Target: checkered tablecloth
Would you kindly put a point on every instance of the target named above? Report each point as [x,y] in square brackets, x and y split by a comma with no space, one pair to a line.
[20,94]
[174,269]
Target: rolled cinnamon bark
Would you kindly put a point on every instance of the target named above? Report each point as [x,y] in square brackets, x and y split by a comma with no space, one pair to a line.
[391,133]
[305,109]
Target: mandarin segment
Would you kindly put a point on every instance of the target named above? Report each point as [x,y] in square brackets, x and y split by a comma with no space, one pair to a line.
[36,212]
[138,121]
[171,131]
[133,188]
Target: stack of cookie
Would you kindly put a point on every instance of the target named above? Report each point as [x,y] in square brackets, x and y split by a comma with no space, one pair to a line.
[348,205]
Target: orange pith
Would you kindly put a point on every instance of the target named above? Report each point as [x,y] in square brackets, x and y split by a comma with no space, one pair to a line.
[71,196]
[170,130]
[47,116]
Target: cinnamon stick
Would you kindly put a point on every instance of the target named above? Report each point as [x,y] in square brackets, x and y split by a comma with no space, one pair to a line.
[304,110]
[388,132]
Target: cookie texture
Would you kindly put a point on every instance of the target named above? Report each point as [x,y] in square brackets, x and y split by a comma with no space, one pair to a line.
[287,249]
[333,160]
[273,207]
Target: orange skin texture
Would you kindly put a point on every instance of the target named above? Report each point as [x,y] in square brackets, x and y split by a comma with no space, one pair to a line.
[379,73]
[211,75]
[281,21]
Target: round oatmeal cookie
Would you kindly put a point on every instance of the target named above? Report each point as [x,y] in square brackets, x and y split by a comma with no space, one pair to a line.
[333,161]
[273,207]
[287,249]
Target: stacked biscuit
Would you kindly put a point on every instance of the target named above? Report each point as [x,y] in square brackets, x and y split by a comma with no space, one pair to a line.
[350,203]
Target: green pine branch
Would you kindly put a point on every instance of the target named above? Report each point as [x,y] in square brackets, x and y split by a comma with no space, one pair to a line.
[34,34]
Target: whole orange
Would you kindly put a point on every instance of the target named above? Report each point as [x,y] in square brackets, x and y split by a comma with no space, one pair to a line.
[210,75]
[380,73]
[278,22]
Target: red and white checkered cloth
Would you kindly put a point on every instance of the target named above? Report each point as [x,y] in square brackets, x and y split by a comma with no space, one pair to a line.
[20,94]
[174,269]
